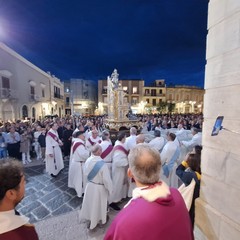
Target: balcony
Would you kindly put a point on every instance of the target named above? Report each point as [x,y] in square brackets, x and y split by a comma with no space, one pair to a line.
[56,95]
[34,97]
[7,93]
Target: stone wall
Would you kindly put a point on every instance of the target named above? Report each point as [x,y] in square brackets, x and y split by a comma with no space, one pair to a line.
[218,209]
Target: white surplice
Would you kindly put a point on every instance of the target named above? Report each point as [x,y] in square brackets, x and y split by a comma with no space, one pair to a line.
[94,206]
[53,164]
[76,178]
[119,174]
[167,155]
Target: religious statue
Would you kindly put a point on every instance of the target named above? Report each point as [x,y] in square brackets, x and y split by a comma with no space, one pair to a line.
[114,79]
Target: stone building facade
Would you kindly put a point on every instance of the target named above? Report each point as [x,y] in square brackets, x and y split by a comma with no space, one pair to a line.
[80,96]
[145,99]
[26,91]
[187,99]
[218,209]
[133,90]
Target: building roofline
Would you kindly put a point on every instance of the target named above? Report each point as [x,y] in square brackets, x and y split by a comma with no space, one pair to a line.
[22,59]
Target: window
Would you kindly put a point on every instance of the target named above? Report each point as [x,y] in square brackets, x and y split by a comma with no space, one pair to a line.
[125,89]
[24,111]
[146,91]
[43,93]
[170,96]
[67,99]
[147,100]
[154,102]
[134,101]
[85,94]
[153,92]
[5,83]
[135,90]
[160,100]
[160,91]
[32,90]
[104,91]
[57,92]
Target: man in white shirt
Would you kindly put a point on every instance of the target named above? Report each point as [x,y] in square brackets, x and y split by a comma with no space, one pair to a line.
[37,147]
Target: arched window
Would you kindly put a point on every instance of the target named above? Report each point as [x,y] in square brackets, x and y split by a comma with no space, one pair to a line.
[24,111]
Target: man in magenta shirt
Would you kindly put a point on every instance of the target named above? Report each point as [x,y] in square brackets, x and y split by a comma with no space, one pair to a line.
[155,210]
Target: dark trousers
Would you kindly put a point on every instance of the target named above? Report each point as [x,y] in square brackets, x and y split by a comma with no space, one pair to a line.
[14,150]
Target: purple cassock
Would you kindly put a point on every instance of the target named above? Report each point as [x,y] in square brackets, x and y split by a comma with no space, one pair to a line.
[154,212]
[25,232]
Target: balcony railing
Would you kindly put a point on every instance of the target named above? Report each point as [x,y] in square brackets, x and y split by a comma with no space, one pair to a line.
[56,95]
[34,97]
[7,93]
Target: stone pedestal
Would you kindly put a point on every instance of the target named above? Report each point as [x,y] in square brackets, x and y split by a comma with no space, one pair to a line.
[218,209]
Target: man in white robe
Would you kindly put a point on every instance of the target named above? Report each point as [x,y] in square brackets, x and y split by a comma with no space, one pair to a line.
[119,171]
[99,186]
[92,140]
[158,142]
[54,159]
[107,148]
[169,157]
[181,133]
[131,140]
[196,140]
[79,155]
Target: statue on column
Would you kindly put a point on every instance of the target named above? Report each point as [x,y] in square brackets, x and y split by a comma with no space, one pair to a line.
[114,79]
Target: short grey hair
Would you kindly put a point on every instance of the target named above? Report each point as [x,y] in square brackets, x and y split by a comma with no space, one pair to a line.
[95,148]
[145,164]
[133,130]
[140,138]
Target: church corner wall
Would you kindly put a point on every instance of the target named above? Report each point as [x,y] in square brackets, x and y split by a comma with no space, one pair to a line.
[218,208]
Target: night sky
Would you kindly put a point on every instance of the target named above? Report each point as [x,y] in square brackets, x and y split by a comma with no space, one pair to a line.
[142,39]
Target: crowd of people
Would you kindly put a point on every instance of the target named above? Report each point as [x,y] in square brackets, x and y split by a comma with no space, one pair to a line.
[106,172]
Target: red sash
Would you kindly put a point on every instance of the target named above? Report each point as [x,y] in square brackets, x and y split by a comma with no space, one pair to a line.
[121,148]
[107,151]
[92,143]
[53,136]
[76,145]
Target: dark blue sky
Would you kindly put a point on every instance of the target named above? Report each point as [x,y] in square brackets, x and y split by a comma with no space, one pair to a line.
[143,39]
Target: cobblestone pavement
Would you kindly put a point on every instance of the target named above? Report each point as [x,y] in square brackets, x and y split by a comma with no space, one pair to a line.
[54,208]
[46,196]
